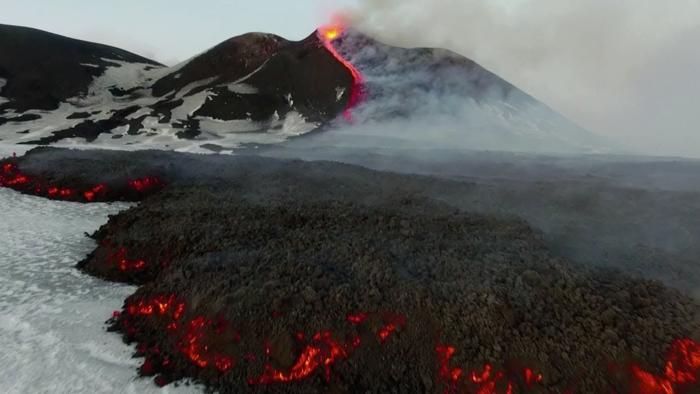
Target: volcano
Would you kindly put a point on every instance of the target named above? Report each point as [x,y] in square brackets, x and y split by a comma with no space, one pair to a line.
[258,89]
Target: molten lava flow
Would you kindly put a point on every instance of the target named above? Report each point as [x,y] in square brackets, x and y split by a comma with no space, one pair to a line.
[485,381]
[119,260]
[99,190]
[191,341]
[145,184]
[322,352]
[12,177]
[328,34]
[209,343]
[682,371]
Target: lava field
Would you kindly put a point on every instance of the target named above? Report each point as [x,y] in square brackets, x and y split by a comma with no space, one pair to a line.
[265,275]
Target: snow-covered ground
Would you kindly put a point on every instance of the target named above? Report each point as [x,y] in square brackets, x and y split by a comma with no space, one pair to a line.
[99,104]
[52,331]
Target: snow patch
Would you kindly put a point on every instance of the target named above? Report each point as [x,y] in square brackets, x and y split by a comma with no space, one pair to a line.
[190,105]
[220,127]
[339,93]
[51,315]
[242,88]
[185,91]
[294,124]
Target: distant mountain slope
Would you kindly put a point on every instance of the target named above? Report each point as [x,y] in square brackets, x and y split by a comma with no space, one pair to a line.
[251,89]
[43,69]
[258,89]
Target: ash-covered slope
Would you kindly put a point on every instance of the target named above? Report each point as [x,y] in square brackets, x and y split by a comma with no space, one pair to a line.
[429,97]
[262,89]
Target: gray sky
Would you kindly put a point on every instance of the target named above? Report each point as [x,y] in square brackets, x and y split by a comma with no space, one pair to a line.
[169,30]
[626,69]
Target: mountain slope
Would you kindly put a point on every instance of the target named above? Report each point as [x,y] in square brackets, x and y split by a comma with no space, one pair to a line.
[43,69]
[251,89]
[258,89]
[438,98]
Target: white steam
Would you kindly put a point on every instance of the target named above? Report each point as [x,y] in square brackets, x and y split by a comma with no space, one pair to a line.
[626,69]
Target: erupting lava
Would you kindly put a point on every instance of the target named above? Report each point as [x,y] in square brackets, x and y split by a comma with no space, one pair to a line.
[328,35]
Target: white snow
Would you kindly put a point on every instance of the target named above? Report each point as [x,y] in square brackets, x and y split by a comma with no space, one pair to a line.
[90,65]
[190,105]
[220,127]
[52,331]
[294,124]
[242,88]
[125,76]
[154,135]
[339,93]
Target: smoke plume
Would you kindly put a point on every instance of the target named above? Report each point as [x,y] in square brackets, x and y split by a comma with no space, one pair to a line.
[624,69]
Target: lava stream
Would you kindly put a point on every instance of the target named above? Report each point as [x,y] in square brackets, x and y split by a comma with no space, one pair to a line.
[328,34]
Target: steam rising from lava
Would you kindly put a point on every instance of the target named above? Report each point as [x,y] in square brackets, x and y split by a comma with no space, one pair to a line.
[622,68]
[438,98]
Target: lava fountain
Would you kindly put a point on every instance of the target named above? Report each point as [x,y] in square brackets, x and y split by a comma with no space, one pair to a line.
[329,34]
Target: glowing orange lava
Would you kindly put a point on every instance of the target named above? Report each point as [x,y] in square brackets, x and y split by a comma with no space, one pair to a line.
[328,34]
[117,258]
[12,177]
[195,339]
[484,381]
[682,371]
[322,352]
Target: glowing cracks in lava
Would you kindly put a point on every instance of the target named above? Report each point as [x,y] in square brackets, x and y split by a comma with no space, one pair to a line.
[194,340]
[322,352]
[531,378]
[145,184]
[119,260]
[444,354]
[358,318]
[12,177]
[328,35]
[99,190]
[192,343]
[207,344]
[682,371]
[394,321]
[484,381]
